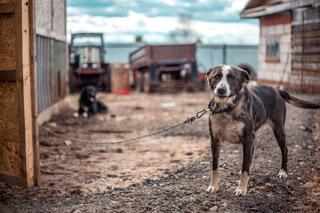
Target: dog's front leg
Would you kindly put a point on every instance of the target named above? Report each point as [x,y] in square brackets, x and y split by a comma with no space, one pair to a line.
[248,148]
[215,150]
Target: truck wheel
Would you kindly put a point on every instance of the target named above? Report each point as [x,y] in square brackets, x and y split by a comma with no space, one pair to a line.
[72,80]
[105,83]
[139,82]
[146,82]
[106,79]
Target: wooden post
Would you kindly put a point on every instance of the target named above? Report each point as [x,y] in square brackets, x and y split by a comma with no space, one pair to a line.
[23,71]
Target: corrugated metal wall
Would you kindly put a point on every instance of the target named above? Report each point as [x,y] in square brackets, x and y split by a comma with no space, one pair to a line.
[51,71]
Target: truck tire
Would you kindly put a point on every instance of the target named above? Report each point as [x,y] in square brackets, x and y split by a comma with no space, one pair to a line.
[139,84]
[72,81]
[106,79]
[146,82]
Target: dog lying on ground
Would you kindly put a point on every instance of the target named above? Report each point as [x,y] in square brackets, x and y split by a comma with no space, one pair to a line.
[88,103]
[238,110]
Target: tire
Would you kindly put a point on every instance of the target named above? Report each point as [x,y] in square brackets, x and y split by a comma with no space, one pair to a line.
[106,79]
[72,80]
[139,83]
[146,82]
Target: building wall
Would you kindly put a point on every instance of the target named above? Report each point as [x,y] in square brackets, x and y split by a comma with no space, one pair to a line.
[51,52]
[278,27]
[306,49]
[51,18]
[298,33]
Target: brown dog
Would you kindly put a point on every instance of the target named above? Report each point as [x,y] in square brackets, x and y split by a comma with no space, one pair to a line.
[238,111]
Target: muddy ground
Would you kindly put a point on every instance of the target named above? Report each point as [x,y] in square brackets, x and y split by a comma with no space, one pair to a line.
[168,172]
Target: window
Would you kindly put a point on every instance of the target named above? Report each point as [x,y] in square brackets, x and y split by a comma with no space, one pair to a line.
[273,51]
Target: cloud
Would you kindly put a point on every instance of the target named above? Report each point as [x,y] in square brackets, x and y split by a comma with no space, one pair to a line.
[156,29]
[216,21]
[217,10]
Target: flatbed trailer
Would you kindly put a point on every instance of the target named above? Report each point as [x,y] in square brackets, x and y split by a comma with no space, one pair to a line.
[165,67]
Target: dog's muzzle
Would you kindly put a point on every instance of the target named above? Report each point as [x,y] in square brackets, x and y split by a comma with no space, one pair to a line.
[221,92]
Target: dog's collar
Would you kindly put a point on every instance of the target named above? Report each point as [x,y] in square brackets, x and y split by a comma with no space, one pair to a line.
[226,110]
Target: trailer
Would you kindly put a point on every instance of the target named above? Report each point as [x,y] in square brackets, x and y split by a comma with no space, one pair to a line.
[165,67]
[87,63]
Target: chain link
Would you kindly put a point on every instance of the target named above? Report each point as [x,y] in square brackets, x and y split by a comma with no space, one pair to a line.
[189,120]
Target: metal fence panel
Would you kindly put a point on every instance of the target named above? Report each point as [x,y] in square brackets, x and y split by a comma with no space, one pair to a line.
[51,71]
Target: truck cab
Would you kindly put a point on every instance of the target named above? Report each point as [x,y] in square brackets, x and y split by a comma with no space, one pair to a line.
[87,63]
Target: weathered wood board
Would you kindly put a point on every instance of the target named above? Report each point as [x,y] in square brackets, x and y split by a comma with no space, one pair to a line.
[17,135]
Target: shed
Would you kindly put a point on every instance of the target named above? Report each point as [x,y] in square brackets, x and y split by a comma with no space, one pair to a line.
[33,75]
[289,49]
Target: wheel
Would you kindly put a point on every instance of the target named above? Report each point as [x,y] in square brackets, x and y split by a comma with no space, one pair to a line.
[72,82]
[146,82]
[106,79]
[139,81]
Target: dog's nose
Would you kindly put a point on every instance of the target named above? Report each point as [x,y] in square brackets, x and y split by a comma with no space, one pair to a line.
[221,91]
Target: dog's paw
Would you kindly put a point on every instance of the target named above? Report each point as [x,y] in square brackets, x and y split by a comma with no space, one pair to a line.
[282,174]
[212,188]
[240,190]
[75,115]
[85,115]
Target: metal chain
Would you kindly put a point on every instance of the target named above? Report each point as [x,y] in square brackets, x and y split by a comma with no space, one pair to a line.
[189,120]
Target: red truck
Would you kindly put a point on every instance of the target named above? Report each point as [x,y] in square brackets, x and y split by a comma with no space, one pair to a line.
[165,67]
[87,64]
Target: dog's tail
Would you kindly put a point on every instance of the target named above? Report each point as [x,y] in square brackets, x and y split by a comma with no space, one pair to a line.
[298,102]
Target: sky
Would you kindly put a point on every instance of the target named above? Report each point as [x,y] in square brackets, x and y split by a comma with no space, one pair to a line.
[211,21]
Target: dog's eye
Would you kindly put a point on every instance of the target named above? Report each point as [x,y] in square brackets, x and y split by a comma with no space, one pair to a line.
[231,78]
[217,77]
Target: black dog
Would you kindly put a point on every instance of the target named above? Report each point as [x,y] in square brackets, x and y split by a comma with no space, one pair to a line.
[88,104]
[238,110]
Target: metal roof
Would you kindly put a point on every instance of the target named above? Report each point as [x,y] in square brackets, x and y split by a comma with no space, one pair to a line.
[259,8]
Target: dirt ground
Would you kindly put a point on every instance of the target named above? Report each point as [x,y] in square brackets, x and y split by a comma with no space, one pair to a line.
[169,172]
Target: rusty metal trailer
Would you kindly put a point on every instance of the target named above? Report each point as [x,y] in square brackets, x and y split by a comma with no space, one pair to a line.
[165,67]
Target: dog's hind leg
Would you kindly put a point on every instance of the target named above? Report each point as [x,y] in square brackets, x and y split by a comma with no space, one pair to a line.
[280,135]
[102,107]
[277,124]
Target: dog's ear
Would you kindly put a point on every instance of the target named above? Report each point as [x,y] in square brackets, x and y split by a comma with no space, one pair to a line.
[245,76]
[211,71]
[208,73]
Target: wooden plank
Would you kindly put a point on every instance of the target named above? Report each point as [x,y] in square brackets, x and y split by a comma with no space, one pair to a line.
[306,72]
[304,65]
[24,91]
[33,74]
[306,59]
[309,41]
[11,180]
[7,8]
[7,75]
[306,27]
[306,34]
[7,42]
[277,19]
[310,49]
[9,129]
